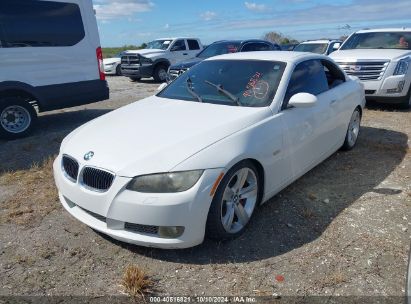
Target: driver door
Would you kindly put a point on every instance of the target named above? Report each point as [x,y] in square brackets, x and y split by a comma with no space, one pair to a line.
[178,51]
[308,136]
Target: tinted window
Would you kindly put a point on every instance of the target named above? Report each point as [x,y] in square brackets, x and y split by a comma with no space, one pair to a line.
[308,77]
[256,46]
[379,40]
[30,23]
[319,48]
[193,44]
[219,48]
[252,82]
[333,73]
[179,45]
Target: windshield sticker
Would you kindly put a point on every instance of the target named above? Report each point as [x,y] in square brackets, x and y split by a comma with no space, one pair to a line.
[166,42]
[256,85]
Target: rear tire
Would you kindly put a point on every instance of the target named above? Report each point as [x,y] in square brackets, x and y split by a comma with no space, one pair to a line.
[353,131]
[160,73]
[17,117]
[234,202]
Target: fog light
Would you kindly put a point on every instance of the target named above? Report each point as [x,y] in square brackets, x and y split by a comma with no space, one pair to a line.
[398,89]
[170,232]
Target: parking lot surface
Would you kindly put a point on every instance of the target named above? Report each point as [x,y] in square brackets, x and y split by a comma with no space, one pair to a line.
[341,229]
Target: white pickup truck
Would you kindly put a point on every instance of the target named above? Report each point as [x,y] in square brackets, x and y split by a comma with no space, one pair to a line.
[154,60]
[380,58]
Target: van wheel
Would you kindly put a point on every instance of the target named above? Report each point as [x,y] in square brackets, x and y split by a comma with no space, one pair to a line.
[160,73]
[118,70]
[17,117]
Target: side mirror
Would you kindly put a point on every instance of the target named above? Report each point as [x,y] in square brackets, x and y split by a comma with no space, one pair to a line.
[176,48]
[303,100]
[162,86]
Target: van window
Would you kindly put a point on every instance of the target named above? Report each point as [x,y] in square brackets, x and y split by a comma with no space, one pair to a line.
[33,23]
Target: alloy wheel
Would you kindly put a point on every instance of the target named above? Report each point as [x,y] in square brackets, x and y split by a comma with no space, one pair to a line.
[239,200]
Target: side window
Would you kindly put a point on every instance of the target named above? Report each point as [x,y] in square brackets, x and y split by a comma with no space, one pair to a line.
[179,45]
[307,77]
[31,23]
[256,46]
[333,74]
[193,44]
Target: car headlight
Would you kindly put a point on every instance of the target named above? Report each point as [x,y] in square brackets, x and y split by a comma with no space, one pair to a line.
[165,182]
[144,60]
[402,66]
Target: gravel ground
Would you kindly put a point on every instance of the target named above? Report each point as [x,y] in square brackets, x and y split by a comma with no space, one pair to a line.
[342,229]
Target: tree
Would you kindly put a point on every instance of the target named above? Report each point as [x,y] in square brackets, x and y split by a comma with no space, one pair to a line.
[279,38]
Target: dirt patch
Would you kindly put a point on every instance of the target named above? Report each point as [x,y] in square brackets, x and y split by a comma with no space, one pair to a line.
[342,229]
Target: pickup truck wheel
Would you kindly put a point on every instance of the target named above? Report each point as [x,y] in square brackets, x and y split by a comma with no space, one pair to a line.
[160,73]
[118,70]
[234,202]
[353,131]
[17,118]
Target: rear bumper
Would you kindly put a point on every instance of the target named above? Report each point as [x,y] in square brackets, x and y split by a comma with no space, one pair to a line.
[68,95]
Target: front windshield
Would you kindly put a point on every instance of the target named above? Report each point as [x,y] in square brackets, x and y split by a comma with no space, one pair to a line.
[318,48]
[379,40]
[219,48]
[249,83]
[158,44]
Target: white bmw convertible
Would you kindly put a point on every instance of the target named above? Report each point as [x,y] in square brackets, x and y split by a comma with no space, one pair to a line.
[199,157]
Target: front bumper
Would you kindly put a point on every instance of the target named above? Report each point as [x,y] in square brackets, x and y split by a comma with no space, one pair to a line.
[110,212]
[110,69]
[385,90]
[138,71]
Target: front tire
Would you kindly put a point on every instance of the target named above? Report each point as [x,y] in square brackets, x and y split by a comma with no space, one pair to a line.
[353,130]
[234,202]
[407,103]
[118,70]
[17,118]
[160,73]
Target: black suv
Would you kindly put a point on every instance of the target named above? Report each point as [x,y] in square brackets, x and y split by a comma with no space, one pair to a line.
[220,48]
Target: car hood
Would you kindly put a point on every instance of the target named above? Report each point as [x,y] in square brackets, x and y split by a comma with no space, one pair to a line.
[156,134]
[148,52]
[368,54]
[111,60]
[187,63]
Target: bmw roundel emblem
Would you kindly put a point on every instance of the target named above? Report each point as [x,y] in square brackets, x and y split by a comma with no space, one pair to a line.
[88,155]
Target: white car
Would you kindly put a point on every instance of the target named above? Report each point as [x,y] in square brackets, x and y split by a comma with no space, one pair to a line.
[112,66]
[325,46]
[381,59]
[201,155]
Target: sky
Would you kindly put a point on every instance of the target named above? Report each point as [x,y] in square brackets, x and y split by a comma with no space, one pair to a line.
[124,22]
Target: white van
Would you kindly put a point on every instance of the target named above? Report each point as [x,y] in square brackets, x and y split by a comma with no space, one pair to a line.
[50,59]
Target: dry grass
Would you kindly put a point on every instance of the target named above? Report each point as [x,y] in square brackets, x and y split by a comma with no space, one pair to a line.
[308,213]
[137,283]
[35,194]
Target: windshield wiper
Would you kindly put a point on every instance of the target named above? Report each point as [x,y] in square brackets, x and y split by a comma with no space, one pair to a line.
[228,94]
[191,91]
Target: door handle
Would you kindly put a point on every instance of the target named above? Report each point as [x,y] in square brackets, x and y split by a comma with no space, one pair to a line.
[333,102]
[185,54]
